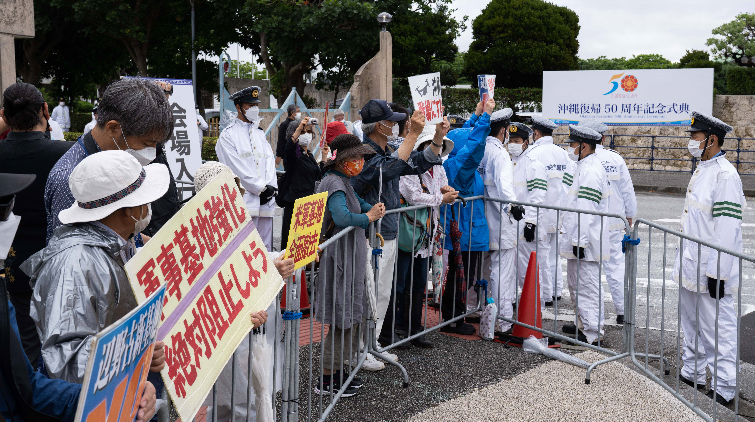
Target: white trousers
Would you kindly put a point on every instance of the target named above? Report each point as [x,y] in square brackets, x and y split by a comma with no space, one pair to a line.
[585,287]
[704,353]
[552,267]
[499,268]
[387,264]
[614,270]
[543,253]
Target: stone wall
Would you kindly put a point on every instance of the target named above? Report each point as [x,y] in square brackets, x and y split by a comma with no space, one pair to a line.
[668,144]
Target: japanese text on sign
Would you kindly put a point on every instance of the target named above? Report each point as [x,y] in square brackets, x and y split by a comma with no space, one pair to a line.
[118,364]
[306,226]
[426,90]
[217,272]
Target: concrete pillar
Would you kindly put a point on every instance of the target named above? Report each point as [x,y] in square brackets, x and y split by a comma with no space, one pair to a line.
[16,21]
[386,53]
[7,62]
[375,78]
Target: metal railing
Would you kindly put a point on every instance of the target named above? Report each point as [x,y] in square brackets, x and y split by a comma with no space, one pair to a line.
[741,157]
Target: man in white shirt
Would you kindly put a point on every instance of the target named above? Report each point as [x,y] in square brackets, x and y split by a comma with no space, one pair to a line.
[61,115]
[201,126]
[622,202]
[89,126]
[499,264]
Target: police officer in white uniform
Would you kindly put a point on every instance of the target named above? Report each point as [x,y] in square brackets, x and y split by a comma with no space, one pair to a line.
[712,212]
[62,115]
[242,147]
[622,202]
[585,240]
[547,177]
[498,175]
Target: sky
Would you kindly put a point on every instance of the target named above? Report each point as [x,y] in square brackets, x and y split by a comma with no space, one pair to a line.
[614,28]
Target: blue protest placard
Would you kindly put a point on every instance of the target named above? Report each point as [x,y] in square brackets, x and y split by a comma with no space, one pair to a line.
[486,85]
[118,364]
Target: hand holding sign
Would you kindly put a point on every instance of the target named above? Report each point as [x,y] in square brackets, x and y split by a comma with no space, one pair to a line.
[426,90]
[489,106]
[418,123]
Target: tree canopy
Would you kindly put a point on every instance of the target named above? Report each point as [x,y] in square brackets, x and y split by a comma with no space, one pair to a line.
[737,40]
[519,39]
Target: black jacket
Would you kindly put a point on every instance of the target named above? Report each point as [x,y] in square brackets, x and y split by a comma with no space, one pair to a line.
[302,173]
[280,148]
[28,153]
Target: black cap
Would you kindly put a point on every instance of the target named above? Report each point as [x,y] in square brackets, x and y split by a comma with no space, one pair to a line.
[456,121]
[377,110]
[61,99]
[520,130]
[249,95]
[702,122]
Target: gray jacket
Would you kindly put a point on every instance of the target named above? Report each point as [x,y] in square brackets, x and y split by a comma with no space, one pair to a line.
[80,288]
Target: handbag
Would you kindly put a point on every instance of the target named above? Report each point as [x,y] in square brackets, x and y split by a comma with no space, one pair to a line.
[413,226]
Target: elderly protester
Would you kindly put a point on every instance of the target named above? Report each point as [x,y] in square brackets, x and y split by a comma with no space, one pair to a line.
[27,150]
[133,116]
[302,170]
[292,113]
[431,189]
[403,126]
[387,165]
[342,279]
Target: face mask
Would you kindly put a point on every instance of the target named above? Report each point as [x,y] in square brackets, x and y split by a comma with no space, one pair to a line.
[353,168]
[143,156]
[572,155]
[298,115]
[142,222]
[61,103]
[305,139]
[694,148]
[515,149]
[252,113]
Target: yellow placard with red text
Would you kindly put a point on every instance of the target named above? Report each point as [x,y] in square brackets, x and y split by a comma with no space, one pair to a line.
[306,225]
[217,272]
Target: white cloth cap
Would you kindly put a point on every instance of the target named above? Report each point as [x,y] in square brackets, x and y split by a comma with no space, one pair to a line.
[504,114]
[427,135]
[208,171]
[110,180]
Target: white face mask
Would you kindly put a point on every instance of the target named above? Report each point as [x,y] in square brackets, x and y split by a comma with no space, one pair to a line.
[61,103]
[515,149]
[142,222]
[298,115]
[143,156]
[252,113]
[574,154]
[305,139]
[694,148]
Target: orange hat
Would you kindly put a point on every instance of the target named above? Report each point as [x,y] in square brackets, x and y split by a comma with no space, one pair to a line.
[335,129]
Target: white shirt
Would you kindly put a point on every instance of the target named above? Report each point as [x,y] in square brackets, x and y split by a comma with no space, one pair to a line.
[713,212]
[412,191]
[89,126]
[61,115]
[554,161]
[242,147]
[589,192]
[56,134]
[201,126]
[358,129]
[498,176]
[530,186]
[622,200]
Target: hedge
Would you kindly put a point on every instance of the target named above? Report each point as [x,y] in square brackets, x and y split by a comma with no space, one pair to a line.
[208,148]
[740,81]
[72,136]
[464,100]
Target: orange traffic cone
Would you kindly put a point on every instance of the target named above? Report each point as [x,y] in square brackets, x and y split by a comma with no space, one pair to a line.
[528,311]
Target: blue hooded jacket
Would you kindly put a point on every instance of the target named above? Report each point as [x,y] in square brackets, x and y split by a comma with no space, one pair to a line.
[461,170]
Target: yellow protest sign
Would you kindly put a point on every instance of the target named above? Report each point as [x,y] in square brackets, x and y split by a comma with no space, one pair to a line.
[306,225]
[217,272]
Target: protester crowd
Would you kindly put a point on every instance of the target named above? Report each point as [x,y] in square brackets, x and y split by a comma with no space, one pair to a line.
[87,207]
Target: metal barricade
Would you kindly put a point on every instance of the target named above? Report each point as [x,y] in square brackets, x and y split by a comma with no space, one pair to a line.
[692,338]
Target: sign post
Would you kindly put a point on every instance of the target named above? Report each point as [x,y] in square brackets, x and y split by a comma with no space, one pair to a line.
[426,96]
[217,272]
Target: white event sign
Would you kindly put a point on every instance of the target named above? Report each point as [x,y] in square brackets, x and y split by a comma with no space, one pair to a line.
[627,97]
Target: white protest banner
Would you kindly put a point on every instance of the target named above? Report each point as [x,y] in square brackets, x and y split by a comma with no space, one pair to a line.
[486,85]
[217,272]
[118,363]
[627,97]
[183,148]
[426,96]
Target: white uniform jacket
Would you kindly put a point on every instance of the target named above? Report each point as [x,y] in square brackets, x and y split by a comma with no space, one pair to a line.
[622,200]
[713,213]
[530,185]
[242,147]
[589,192]
[61,115]
[498,176]
[555,162]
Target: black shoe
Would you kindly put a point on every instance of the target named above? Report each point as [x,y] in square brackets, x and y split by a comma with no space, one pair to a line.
[581,337]
[472,320]
[385,342]
[422,342]
[556,298]
[569,329]
[458,328]
[325,386]
[549,303]
[720,400]
[620,319]
[505,333]
[356,383]
[400,332]
[513,305]
[691,383]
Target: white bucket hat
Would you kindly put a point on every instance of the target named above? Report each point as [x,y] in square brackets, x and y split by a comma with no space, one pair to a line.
[427,135]
[110,180]
[211,169]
